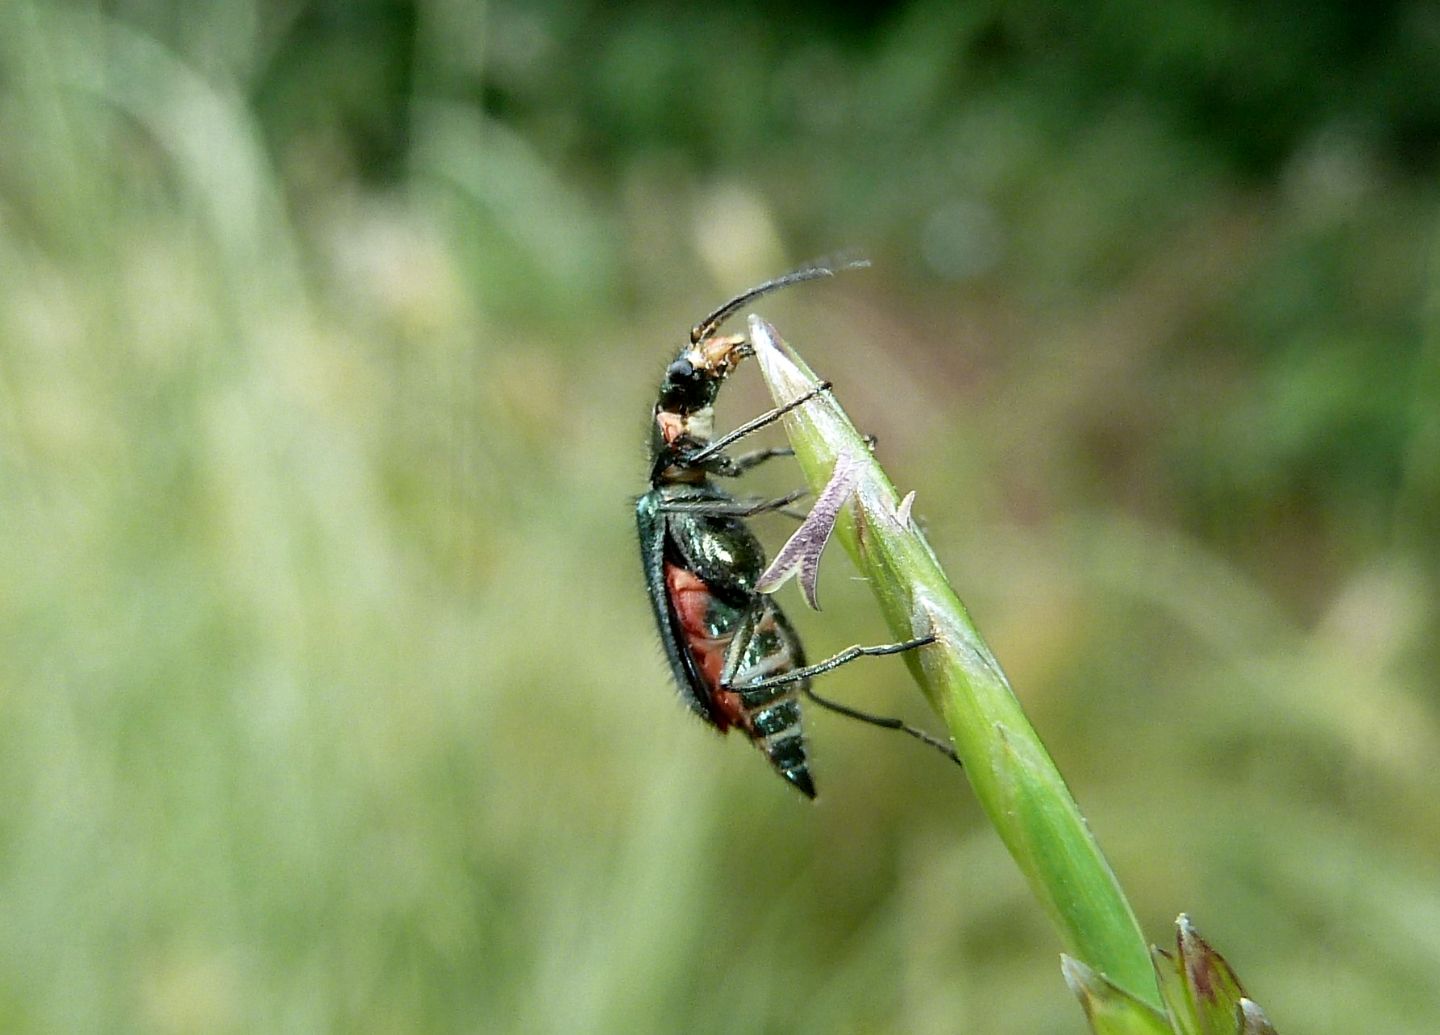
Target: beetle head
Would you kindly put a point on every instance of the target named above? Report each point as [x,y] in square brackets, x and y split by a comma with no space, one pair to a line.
[693,379]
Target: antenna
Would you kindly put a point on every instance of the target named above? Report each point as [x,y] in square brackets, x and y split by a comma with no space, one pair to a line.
[813,271]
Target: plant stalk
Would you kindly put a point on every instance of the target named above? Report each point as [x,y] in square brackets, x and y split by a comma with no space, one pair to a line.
[1012,774]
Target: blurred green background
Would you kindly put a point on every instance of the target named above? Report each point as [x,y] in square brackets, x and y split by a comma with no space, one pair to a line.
[329,696]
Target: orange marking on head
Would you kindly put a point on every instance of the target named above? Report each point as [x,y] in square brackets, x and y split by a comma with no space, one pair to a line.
[720,353]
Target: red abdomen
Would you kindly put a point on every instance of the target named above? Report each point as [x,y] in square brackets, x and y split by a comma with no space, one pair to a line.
[707,628]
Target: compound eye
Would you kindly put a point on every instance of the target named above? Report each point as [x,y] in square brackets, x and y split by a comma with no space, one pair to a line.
[681,372]
[687,388]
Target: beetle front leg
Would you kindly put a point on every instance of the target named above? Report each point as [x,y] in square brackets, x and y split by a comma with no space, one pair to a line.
[700,456]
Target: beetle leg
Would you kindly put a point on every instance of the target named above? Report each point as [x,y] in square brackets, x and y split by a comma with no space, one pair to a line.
[844,657]
[848,655]
[732,467]
[884,723]
[735,508]
[754,424]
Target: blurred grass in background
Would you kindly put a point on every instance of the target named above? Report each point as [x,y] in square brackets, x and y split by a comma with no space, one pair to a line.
[328,333]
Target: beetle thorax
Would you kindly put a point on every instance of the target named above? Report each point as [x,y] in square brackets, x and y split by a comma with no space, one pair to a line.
[700,425]
[694,428]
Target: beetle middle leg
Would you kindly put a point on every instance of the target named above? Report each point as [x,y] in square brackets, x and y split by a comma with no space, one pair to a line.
[738,465]
[732,467]
[740,508]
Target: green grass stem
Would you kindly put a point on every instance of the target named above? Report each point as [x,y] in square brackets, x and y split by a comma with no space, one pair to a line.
[1012,774]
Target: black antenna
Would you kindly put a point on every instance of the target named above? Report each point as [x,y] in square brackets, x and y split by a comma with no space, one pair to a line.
[815,271]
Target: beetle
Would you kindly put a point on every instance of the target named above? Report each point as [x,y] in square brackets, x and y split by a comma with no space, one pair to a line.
[737,660]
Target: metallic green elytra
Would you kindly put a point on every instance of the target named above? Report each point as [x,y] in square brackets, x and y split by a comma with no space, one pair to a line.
[718,633]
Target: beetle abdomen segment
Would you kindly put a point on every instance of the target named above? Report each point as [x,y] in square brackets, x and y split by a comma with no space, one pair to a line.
[773,712]
[788,758]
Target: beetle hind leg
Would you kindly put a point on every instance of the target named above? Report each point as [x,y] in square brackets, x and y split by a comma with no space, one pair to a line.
[884,722]
[758,688]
